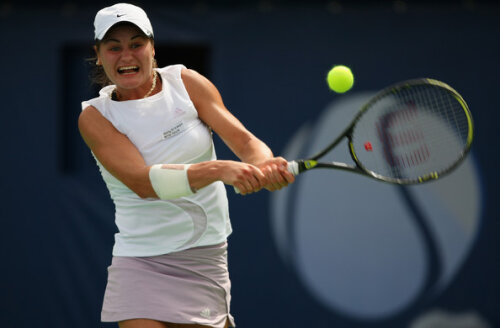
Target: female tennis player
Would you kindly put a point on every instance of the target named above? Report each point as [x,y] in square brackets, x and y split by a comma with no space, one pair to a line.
[150,133]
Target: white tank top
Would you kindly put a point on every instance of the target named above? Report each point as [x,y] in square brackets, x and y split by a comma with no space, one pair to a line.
[166,129]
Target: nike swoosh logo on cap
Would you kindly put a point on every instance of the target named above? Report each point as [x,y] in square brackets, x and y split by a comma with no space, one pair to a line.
[118,15]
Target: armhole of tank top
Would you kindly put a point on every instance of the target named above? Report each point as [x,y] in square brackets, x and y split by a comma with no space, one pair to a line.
[85,104]
[173,74]
[105,113]
[184,90]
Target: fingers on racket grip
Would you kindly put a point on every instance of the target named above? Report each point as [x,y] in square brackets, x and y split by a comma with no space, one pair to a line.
[292,167]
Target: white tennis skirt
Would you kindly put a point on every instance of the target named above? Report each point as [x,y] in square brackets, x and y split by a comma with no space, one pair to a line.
[190,286]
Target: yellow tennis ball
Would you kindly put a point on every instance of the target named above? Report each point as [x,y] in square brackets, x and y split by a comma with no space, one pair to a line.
[340,78]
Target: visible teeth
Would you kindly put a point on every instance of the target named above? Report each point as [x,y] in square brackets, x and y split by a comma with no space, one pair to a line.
[127,67]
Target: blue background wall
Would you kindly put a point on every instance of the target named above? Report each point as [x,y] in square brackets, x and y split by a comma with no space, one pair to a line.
[269,62]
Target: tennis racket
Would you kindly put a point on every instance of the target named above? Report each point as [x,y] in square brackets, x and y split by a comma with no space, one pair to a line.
[409,133]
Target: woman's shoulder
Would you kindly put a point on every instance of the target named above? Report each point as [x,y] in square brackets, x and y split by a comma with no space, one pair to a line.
[98,102]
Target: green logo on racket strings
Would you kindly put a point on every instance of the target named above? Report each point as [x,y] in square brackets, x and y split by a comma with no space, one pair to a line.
[310,164]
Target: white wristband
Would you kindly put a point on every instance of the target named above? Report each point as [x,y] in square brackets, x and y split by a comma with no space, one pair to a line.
[170,183]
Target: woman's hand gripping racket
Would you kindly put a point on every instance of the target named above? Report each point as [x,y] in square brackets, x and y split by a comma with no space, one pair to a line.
[409,133]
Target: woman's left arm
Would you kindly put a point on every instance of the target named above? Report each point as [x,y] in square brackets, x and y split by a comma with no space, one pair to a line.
[243,143]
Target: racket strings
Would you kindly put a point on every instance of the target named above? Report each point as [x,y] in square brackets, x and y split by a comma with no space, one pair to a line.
[413,132]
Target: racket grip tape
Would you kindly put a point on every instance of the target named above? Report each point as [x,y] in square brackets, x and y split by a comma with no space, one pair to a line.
[292,167]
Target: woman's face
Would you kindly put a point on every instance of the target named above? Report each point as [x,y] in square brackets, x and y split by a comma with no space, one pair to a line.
[126,56]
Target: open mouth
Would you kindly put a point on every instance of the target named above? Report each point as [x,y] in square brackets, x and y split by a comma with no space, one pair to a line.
[128,69]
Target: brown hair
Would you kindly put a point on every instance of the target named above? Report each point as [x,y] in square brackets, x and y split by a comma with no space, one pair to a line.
[97,74]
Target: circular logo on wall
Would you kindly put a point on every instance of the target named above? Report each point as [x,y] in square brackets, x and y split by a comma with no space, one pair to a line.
[365,248]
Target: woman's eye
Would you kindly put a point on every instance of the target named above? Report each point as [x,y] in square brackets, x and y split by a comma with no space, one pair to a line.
[114,48]
[136,45]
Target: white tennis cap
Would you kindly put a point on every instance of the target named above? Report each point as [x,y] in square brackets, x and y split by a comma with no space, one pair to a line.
[121,12]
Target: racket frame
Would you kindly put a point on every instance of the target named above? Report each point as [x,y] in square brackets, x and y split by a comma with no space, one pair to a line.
[313,163]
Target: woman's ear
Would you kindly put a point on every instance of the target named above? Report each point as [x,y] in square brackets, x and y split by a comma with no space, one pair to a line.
[98,61]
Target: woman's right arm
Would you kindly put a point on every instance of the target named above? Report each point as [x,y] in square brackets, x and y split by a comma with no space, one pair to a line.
[124,161]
